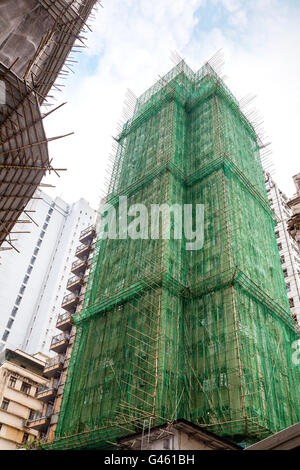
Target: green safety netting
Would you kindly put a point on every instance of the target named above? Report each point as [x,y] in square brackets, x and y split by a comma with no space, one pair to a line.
[167,333]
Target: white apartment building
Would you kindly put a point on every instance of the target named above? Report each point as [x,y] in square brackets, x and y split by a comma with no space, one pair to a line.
[33,281]
[288,249]
[20,377]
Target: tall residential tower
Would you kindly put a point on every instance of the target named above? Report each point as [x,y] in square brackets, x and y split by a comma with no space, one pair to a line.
[170,333]
[287,246]
[34,280]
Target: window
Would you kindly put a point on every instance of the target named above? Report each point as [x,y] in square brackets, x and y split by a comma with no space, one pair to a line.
[4,404]
[12,381]
[206,385]
[29,269]
[36,250]
[285,272]
[42,234]
[45,226]
[288,287]
[25,438]
[47,218]
[223,379]
[25,279]
[39,242]
[18,300]
[25,388]
[282,259]
[10,323]
[291,302]
[14,311]
[22,289]
[279,246]
[166,444]
[5,335]
[32,261]
[31,414]
[50,211]
[277,234]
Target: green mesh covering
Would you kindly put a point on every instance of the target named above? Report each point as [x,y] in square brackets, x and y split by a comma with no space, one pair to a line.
[167,333]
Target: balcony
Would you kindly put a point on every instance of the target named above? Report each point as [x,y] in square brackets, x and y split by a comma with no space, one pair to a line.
[87,235]
[82,251]
[78,267]
[69,302]
[74,284]
[64,321]
[60,342]
[47,392]
[40,421]
[54,366]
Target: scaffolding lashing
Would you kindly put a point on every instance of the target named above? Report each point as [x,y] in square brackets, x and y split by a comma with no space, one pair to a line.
[24,155]
[26,80]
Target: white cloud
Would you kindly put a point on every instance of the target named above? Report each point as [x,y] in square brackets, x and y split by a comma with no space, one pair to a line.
[133,40]
[231,5]
[137,37]
[239,19]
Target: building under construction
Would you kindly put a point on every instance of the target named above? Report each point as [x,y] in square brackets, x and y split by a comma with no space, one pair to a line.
[36,38]
[294,203]
[165,333]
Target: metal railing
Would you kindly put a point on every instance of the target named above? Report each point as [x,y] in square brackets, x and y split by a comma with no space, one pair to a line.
[78,262]
[73,279]
[81,248]
[54,361]
[62,317]
[38,415]
[87,230]
[68,298]
[58,338]
[47,387]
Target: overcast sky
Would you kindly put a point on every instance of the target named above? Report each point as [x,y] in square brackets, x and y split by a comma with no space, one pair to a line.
[131,46]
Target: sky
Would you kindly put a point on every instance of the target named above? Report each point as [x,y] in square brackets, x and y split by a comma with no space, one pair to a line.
[131,46]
